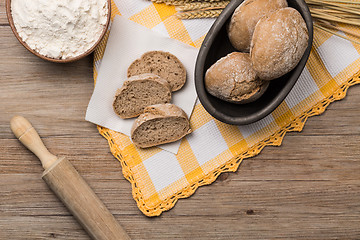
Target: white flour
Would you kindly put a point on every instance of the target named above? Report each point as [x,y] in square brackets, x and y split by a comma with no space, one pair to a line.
[59,28]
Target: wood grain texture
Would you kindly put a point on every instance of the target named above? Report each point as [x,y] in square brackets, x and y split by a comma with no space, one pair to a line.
[306,189]
[81,201]
[3,18]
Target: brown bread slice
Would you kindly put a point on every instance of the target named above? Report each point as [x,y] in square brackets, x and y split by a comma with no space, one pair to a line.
[163,64]
[139,92]
[159,124]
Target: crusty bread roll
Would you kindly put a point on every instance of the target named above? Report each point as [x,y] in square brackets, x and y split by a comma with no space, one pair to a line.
[159,124]
[233,79]
[245,17]
[163,64]
[278,44]
[139,92]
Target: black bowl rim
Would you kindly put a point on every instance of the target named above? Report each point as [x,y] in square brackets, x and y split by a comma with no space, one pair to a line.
[204,49]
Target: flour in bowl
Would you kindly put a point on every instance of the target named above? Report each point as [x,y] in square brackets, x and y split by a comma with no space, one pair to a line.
[60,29]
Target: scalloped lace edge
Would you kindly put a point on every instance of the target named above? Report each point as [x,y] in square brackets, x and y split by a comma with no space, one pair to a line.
[233,164]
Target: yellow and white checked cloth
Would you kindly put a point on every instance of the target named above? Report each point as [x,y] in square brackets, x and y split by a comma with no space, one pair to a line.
[160,178]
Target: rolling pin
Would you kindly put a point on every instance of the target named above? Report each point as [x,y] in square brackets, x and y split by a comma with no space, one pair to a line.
[69,186]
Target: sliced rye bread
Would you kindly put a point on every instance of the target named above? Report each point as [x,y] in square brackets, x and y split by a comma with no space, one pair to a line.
[139,92]
[159,124]
[163,64]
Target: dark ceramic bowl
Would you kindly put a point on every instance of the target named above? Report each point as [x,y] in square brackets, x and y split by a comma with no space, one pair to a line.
[217,45]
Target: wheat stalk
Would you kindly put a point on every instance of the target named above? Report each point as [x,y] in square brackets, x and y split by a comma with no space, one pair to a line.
[327,14]
[336,28]
[319,2]
[335,32]
[351,2]
[316,14]
[345,30]
[341,10]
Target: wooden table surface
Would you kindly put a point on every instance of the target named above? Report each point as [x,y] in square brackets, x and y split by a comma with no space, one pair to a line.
[309,188]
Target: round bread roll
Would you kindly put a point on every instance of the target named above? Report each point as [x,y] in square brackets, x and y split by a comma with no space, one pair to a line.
[245,17]
[233,79]
[279,42]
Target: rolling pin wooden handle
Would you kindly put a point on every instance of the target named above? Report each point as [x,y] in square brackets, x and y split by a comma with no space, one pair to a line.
[70,187]
[26,133]
[82,202]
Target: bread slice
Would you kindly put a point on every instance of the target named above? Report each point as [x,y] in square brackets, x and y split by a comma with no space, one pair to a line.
[139,92]
[163,64]
[159,124]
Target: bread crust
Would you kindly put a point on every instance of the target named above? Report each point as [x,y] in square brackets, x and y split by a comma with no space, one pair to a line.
[160,111]
[139,78]
[278,44]
[145,65]
[245,17]
[233,79]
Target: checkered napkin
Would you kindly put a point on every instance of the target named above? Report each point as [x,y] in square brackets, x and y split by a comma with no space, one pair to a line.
[159,178]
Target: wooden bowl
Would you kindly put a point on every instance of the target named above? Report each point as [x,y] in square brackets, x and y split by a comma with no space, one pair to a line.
[217,45]
[11,22]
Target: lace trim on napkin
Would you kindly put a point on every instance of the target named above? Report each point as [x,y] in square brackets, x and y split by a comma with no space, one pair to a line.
[232,165]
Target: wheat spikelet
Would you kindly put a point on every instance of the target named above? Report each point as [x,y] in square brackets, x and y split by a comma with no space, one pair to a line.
[182,2]
[208,13]
[201,5]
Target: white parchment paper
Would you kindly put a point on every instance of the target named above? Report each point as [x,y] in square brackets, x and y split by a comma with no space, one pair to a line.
[127,42]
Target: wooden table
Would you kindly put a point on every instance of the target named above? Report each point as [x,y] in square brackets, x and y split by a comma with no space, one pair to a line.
[309,188]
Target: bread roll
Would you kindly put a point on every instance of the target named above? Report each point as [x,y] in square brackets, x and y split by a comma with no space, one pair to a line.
[163,64]
[278,44]
[139,92]
[159,124]
[233,79]
[245,17]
